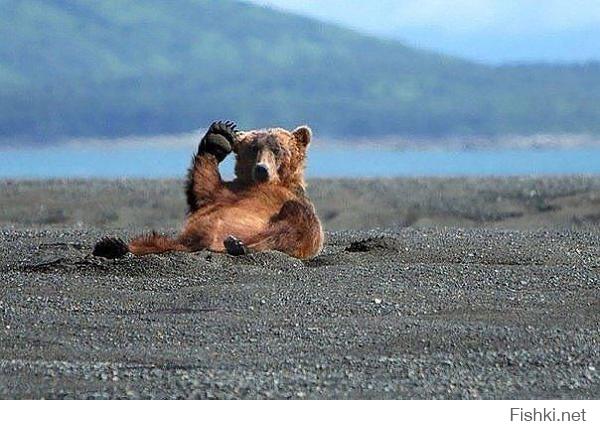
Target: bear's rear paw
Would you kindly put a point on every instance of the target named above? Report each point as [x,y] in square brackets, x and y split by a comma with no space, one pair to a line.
[110,247]
[219,140]
[234,246]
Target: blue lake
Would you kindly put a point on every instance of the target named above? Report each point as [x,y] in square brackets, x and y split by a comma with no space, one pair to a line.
[152,161]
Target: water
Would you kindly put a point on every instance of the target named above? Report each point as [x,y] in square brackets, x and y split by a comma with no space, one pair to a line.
[153,161]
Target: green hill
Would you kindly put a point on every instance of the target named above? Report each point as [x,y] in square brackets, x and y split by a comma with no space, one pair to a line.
[82,68]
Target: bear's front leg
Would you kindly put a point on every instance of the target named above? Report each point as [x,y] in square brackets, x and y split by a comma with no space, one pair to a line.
[234,246]
[204,179]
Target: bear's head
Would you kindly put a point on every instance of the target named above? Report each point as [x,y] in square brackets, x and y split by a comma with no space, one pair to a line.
[274,155]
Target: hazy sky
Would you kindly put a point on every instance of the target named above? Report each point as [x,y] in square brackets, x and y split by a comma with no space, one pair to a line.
[488,30]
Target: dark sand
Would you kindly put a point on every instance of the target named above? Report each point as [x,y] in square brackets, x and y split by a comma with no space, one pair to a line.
[484,311]
[513,203]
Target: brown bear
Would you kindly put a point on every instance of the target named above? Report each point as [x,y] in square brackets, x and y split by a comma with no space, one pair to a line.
[264,208]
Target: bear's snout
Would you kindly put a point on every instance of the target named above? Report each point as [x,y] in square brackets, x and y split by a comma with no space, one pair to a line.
[261,172]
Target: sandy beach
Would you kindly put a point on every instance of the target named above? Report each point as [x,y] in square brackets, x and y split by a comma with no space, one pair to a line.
[427,288]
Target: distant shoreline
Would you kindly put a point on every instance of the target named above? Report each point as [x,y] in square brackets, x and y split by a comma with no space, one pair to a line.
[536,141]
[392,142]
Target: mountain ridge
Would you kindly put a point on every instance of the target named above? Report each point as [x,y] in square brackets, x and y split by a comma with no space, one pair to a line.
[112,68]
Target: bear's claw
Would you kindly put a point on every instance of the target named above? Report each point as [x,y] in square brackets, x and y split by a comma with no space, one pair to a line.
[110,247]
[234,246]
[219,139]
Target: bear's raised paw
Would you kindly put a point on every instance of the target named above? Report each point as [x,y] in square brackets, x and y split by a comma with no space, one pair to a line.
[219,140]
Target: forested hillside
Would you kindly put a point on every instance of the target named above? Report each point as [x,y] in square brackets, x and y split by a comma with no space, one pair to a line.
[106,68]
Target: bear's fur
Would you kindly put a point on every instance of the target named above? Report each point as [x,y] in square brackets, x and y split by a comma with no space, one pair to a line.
[264,208]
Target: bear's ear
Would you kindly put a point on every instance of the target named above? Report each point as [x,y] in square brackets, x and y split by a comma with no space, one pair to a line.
[303,134]
[239,137]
